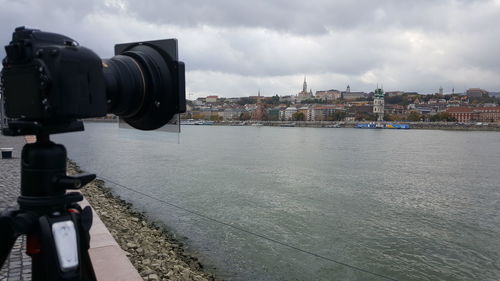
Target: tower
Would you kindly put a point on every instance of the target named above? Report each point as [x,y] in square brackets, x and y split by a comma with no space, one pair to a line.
[304,94]
[348,90]
[378,104]
[440,90]
[260,109]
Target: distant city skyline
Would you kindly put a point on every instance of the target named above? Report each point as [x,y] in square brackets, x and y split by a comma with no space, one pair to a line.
[260,92]
[234,48]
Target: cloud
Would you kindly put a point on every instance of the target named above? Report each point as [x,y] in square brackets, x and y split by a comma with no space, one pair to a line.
[235,48]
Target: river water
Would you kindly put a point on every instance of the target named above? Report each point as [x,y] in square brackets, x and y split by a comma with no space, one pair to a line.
[268,203]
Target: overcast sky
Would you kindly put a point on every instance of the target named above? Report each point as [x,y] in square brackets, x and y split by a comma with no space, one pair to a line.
[234,48]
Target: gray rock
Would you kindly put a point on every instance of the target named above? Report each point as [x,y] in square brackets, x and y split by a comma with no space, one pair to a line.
[153,277]
[131,245]
[147,272]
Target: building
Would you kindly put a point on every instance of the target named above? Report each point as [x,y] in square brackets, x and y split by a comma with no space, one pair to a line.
[476,92]
[354,95]
[323,112]
[394,109]
[378,104]
[488,114]
[461,114]
[288,113]
[328,95]
[211,99]
[475,114]
[232,113]
[260,111]
[304,94]
[320,113]
[291,99]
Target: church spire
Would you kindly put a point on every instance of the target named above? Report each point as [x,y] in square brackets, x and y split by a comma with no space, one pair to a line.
[304,86]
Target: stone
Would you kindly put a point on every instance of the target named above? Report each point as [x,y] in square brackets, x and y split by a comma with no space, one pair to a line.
[186,275]
[147,272]
[153,277]
[131,245]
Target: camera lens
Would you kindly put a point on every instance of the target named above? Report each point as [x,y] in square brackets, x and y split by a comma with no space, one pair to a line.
[140,87]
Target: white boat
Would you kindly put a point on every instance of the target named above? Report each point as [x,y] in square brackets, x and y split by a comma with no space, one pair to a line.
[204,122]
[188,122]
[288,125]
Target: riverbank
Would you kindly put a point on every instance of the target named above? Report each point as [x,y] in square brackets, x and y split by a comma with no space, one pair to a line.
[155,253]
[342,124]
[477,126]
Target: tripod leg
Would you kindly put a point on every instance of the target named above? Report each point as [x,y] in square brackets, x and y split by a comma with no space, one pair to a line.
[8,241]
[8,236]
[84,223]
[88,273]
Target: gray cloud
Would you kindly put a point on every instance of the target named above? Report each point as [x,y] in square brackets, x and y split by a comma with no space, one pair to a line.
[234,48]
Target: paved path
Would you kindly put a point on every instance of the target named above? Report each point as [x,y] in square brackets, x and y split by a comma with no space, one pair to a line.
[18,266]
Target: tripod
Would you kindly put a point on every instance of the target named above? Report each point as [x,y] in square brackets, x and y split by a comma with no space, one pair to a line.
[57,228]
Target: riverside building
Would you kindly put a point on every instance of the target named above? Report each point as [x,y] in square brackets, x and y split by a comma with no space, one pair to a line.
[378,104]
[475,114]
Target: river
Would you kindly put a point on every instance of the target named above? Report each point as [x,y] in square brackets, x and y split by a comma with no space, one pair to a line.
[270,203]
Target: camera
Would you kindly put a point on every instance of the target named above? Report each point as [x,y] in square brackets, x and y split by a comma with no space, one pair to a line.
[50,80]
[48,83]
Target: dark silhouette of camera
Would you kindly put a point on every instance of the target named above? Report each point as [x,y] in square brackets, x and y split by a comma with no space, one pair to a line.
[51,80]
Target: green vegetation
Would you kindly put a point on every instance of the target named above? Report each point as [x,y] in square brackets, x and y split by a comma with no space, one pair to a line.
[338,115]
[316,101]
[401,100]
[365,116]
[298,116]
[484,99]
[274,100]
[414,116]
[216,118]
[442,116]
[245,116]
[245,100]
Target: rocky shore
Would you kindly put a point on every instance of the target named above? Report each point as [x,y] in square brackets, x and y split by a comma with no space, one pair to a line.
[154,252]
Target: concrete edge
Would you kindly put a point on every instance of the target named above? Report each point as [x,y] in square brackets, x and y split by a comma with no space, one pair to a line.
[109,260]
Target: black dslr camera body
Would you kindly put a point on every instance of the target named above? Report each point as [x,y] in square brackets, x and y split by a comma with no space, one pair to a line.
[49,79]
